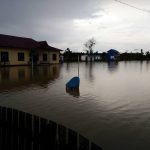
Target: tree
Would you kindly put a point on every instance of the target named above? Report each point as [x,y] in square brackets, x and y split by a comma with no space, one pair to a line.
[141,51]
[68,50]
[67,55]
[147,53]
[89,45]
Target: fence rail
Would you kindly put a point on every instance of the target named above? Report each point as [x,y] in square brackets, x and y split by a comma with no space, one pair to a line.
[24,131]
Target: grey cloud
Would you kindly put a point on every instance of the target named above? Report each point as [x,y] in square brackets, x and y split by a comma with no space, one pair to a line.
[28,17]
[32,10]
[52,20]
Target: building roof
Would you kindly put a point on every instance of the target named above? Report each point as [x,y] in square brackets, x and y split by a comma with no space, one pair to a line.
[113,50]
[17,42]
[25,43]
[43,44]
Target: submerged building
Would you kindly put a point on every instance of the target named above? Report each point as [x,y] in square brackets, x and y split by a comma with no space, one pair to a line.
[25,51]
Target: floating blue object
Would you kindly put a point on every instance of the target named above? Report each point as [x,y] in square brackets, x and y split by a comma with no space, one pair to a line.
[73,83]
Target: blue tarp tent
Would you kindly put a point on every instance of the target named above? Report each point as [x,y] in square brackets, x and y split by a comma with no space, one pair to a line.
[111,54]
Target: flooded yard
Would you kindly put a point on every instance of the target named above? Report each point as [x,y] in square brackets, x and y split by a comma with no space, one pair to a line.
[111,107]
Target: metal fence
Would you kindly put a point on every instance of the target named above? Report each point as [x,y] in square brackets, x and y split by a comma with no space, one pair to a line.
[24,131]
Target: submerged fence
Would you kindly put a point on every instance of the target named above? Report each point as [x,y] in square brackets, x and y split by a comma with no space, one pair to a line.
[24,131]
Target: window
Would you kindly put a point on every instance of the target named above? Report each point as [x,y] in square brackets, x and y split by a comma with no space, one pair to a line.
[20,56]
[44,57]
[54,57]
[4,57]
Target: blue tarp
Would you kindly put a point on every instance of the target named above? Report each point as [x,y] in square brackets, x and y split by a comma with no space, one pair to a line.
[73,83]
[111,54]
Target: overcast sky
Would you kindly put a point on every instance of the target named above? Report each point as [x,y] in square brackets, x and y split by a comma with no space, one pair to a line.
[70,23]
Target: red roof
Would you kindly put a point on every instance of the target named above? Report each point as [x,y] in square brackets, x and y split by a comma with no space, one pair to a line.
[22,42]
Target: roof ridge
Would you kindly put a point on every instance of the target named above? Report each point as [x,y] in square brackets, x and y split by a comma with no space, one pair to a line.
[13,36]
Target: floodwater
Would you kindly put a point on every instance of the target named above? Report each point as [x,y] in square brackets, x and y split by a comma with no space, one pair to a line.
[111,107]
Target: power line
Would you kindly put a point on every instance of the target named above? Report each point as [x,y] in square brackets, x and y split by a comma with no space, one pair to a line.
[133,6]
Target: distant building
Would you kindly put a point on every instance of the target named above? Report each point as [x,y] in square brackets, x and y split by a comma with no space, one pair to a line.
[112,55]
[24,51]
[91,57]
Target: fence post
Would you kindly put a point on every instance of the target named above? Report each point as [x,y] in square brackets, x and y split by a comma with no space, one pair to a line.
[29,131]
[4,131]
[0,127]
[9,128]
[43,140]
[51,135]
[21,128]
[36,127]
[83,143]
[4,116]
[15,128]
[9,116]
[15,119]
[95,147]
[0,114]
[21,120]
[72,139]
[62,137]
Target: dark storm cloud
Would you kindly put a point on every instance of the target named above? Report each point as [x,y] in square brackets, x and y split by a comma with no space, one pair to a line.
[28,11]
[69,23]
[43,19]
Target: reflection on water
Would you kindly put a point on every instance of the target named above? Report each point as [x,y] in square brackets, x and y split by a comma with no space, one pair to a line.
[89,71]
[112,66]
[24,76]
[74,92]
[111,108]
[68,67]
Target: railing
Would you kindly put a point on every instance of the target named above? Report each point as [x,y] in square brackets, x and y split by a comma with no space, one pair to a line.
[24,131]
